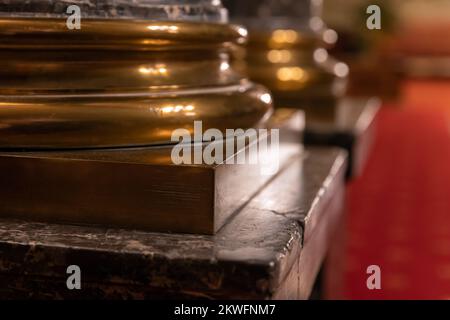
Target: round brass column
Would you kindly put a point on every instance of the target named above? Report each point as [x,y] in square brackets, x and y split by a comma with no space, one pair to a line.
[119,82]
[287,51]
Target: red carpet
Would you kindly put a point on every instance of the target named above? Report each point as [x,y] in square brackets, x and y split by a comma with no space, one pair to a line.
[399,210]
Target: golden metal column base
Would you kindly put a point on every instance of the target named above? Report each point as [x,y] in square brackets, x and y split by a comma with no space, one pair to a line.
[295,66]
[120,83]
[131,188]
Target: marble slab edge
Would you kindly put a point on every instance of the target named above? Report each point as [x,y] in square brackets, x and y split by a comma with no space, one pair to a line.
[249,257]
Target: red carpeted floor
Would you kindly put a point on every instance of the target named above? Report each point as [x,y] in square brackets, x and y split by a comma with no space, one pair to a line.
[399,209]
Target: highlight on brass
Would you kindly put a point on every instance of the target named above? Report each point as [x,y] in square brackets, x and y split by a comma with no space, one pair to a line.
[224,150]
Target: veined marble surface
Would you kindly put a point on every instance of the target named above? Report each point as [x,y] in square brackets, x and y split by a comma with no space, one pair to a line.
[184,10]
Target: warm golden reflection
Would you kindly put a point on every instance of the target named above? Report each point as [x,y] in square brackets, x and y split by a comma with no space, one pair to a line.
[292,74]
[158,69]
[164,87]
[279,56]
[168,28]
[176,108]
[284,36]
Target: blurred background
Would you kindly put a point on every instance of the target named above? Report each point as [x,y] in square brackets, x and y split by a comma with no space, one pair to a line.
[399,209]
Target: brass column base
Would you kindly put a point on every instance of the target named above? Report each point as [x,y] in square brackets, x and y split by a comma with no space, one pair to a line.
[136,188]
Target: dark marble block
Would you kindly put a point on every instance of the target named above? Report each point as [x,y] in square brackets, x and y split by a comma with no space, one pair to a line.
[272,249]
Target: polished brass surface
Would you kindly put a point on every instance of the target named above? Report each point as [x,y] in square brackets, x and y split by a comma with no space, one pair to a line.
[119,83]
[295,66]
